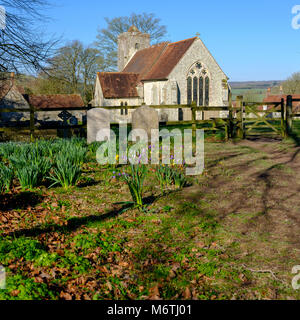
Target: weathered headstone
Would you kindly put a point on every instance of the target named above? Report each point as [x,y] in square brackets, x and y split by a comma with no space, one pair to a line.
[97,119]
[145,118]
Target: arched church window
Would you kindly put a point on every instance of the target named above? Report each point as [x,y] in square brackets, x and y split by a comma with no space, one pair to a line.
[206,91]
[137,46]
[121,111]
[195,89]
[126,110]
[189,90]
[201,92]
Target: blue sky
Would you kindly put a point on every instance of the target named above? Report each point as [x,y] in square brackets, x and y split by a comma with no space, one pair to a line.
[251,40]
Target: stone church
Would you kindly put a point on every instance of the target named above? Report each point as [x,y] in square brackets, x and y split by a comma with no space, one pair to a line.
[176,73]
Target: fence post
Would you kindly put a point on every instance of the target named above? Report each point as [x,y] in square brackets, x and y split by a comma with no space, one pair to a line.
[289,112]
[240,117]
[283,126]
[194,125]
[31,123]
[230,124]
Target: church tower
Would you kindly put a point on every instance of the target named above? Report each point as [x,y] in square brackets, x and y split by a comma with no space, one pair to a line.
[129,43]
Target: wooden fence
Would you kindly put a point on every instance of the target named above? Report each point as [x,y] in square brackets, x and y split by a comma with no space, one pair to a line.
[216,123]
[33,128]
[240,122]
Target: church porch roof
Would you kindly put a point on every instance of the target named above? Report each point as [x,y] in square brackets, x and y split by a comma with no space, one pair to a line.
[118,84]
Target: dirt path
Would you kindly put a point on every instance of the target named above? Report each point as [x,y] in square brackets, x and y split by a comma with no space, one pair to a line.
[254,186]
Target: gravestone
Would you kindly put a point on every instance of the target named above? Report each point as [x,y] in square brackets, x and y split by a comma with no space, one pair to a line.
[97,119]
[145,118]
[73,121]
[65,116]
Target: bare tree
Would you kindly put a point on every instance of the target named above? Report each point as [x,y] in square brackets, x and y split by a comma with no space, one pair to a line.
[292,84]
[74,67]
[22,46]
[66,64]
[92,62]
[107,38]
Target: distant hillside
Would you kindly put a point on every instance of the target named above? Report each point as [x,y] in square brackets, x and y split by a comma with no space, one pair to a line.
[254,91]
[255,84]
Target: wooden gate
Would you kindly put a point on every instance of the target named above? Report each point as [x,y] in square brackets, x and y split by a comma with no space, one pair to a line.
[254,118]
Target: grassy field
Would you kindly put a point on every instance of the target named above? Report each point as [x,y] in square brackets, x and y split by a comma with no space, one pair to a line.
[255,95]
[231,233]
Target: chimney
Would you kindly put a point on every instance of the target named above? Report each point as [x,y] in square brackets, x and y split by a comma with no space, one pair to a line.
[268,92]
[281,90]
[12,78]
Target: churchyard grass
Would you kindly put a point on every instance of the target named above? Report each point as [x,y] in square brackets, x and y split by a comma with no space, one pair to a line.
[226,234]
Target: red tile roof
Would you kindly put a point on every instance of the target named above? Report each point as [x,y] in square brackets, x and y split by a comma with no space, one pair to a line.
[5,86]
[278,97]
[63,101]
[157,62]
[144,60]
[169,59]
[21,89]
[118,84]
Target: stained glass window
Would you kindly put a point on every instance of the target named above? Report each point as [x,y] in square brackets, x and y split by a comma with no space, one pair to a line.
[201,91]
[195,89]
[189,90]
[206,91]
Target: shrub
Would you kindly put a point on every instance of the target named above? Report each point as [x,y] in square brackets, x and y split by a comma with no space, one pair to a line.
[7,149]
[27,175]
[11,249]
[179,179]
[27,289]
[73,149]
[168,175]
[65,173]
[6,177]
[164,175]
[31,167]
[135,181]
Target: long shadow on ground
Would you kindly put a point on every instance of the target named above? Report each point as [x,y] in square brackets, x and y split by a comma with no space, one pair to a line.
[21,200]
[76,222]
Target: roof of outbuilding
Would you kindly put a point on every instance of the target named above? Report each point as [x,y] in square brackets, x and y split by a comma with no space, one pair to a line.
[5,86]
[278,97]
[118,84]
[63,101]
